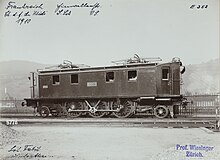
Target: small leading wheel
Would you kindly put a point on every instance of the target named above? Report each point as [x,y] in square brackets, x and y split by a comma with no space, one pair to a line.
[75,106]
[98,114]
[161,111]
[124,110]
[44,111]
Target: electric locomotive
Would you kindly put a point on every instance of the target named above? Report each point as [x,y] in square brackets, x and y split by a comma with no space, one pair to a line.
[133,86]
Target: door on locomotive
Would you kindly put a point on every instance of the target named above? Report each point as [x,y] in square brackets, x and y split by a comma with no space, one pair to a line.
[169,79]
[166,80]
[34,84]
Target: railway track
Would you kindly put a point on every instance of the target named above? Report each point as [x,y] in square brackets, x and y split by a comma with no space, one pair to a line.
[33,115]
[111,122]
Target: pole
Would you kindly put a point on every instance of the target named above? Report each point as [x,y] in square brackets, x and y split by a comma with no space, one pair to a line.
[217,114]
[33,84]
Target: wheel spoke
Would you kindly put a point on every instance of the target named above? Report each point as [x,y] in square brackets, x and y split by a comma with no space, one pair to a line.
[75,106]
[44,111]
[161,111]
[98,114]
[124,110]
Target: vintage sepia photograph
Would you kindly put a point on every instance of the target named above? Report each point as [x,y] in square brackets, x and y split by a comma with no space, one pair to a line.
[109,80]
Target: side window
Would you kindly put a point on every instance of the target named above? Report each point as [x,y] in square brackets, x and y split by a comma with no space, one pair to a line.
[132,75]
[74,78]
[165,74]
[56,79]
[109,77]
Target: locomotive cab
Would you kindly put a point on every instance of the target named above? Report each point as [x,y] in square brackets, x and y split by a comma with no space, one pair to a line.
[169,78]
[168,97]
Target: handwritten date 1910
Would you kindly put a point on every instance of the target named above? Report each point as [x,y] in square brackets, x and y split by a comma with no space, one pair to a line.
[23,21]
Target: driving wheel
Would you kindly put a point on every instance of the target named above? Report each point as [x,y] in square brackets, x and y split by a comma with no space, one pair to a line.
[124,110]
[97,113]
[72,110]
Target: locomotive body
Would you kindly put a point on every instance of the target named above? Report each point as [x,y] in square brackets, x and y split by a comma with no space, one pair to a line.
[122,90]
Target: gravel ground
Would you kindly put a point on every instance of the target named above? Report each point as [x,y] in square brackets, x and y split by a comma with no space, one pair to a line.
[9,135]
[47,142]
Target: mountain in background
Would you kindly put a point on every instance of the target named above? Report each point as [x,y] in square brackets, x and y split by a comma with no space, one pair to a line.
[198,79]
[18,67]
[202,78]
[14,78]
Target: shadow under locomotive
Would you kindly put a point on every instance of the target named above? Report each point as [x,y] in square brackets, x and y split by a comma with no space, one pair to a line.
[133,86]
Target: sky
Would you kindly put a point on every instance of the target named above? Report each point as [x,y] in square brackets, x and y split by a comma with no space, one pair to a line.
[120,29]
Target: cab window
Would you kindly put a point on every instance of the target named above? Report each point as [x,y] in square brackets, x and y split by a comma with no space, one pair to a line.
[56,79]
[74,78]
[165,74]
[109,77]
[132,75]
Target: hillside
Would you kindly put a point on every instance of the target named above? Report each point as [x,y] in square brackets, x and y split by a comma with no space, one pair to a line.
[14,76]
[198,78]
[18,67]
[202,78]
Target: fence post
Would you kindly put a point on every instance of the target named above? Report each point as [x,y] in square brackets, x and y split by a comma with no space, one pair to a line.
[16,105]
[217,125]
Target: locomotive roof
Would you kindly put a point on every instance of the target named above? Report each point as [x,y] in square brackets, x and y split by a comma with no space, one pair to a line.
[132,65]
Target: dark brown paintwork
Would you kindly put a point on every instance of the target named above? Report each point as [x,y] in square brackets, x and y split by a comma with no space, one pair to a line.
[149,82]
